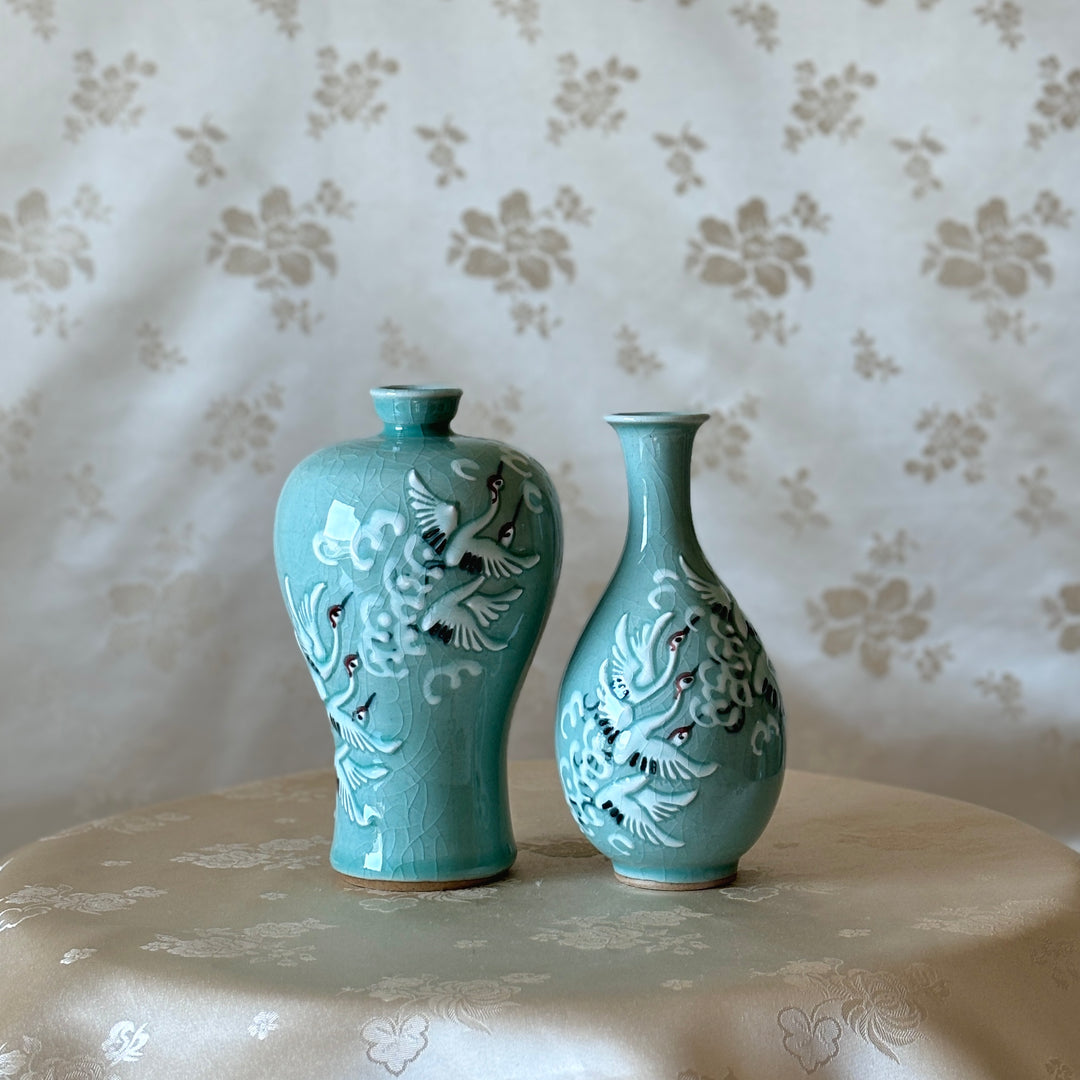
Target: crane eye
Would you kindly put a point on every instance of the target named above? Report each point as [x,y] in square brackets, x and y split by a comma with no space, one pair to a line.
[681,734]
[351,662]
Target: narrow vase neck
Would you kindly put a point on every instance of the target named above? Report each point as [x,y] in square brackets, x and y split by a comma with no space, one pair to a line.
[414,411]
[657,449]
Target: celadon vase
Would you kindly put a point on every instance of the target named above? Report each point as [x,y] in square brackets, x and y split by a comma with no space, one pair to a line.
[418,568]
[670,727]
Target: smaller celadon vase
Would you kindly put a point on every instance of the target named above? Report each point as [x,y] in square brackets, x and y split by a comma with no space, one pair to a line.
[670,732]
[418,567]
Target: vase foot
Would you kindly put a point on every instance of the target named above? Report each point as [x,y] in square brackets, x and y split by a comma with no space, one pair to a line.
[383,885]
[675,886]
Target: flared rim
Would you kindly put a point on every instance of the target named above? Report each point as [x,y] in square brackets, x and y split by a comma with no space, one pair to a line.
[670,418]
[415,390]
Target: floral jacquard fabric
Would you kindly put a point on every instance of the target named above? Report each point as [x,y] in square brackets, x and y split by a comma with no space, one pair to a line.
[871,931]
[845,229]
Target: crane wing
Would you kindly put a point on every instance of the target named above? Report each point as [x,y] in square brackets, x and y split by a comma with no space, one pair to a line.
[488,608]
[437,518]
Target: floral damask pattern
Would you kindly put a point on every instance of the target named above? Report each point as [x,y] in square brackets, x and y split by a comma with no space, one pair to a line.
[349,94]
[722,442]
[918,165]
[42,249]
[1059,106]
[1006,16]
[526,13]
[442,153]
[880,616]
[642,931]
[884,1008]
[802,513]
[41,13]
[1040,509]
[153,352]
[826,106]
[89,498]
[589,99]
[869,363]
[520,251]
[201,141]
[1007,690]
[123,1044]
[756,258]
[282,247]
[680,160]
[995,260]
[395,1041]
[18,423]
[630,355]
[264,943]
[286,12]
[34,900]
[1063,614]
[281,854]
[106,98]
[241,428]
[953,438]
[762,19]
[396,351]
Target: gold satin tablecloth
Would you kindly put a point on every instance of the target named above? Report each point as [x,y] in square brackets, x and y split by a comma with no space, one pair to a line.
[873,932]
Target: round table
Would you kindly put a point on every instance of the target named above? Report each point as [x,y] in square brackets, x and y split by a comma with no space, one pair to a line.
[872,932]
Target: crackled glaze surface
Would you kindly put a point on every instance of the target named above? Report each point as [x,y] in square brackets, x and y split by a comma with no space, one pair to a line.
[670,735]
[418,567]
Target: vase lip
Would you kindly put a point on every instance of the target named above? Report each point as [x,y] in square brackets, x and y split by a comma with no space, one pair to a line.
[416,405]
[652,419]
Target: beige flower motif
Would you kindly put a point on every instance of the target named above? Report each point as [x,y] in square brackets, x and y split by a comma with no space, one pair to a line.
[518,250]
[1006,16]
[680,160]
[589,99]
[285,11]
[882,1010]
[1007,690]
[762,19]
[349,95]
[812,1040]
[952,438]
[200,153]
[241,427]
[873,614]
[825,107]
[869,363]
[396,352]
[996,259]
[526,13]
[442,154]
[1064,611]
[802,512]
[280,248]
[1059,106]
[38,251]
[756,259]
[153,352]
[919,164]
[106,98]
[1040,509]
[722,443]
[42,16]
[631,357]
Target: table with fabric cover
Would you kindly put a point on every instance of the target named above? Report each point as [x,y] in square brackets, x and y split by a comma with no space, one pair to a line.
[873,932]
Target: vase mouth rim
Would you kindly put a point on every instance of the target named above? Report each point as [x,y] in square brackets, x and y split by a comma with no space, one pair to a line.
[671,419]
[416,390]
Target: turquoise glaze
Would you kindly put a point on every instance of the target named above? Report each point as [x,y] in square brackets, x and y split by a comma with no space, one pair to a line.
[418,568]
[670,733]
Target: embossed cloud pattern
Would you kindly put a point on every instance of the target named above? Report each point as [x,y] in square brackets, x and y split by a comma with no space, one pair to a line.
[739,208]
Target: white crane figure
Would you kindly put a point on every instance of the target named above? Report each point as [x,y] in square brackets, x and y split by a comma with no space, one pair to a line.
[440,521]
[460,616]
[353,731]
[634,671]
[322,659]
[633,806]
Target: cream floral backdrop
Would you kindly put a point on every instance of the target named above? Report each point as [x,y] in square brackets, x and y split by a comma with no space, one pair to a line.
[847,229]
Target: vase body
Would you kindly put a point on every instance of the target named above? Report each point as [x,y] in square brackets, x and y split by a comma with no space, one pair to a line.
[418,568]
[670,731]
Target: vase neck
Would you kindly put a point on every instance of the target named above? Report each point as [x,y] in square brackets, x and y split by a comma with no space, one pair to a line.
[416,410]
[657,449]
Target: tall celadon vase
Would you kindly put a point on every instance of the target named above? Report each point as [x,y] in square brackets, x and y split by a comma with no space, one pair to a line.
[418,568]
[670,728]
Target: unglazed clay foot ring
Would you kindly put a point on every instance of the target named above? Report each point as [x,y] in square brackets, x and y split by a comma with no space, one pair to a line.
[383,885]
[674,886]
